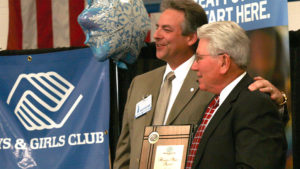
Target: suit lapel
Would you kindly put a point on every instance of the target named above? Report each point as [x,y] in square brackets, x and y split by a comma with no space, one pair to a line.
[223,110]
[184,96]
[219,115]
[154,91]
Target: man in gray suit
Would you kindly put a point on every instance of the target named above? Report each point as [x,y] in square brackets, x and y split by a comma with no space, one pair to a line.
[176,41]
[243,130]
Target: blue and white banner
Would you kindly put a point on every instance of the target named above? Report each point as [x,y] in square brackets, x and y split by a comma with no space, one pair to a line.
[249,14]
[54,111]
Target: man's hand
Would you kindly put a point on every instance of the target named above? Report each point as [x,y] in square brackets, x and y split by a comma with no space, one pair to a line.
[265,86]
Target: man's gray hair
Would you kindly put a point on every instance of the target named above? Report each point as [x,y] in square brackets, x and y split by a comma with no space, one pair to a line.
[227,37]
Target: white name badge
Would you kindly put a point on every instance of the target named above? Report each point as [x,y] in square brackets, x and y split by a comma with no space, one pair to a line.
[143,106]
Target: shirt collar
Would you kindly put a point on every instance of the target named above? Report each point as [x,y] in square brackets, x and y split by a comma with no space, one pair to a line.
[226,91]
[182,70]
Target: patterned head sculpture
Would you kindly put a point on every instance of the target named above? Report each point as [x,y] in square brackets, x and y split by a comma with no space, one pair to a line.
[115,29]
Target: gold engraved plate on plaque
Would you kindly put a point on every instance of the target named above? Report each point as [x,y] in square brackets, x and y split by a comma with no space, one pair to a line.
[153,137]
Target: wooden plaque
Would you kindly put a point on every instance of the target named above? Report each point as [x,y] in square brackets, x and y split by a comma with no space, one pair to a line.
[165,147]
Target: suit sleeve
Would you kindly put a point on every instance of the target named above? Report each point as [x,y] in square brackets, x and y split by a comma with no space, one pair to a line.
[259,134]
[123,147]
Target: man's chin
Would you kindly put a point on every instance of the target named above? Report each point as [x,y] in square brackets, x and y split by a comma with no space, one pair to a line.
[201,87]
[159,56]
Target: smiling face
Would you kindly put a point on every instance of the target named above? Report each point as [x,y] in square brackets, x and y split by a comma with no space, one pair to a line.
[171,45]
[207,67]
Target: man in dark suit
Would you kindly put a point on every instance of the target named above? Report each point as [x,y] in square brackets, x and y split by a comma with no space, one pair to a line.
[243,129]
[175,43]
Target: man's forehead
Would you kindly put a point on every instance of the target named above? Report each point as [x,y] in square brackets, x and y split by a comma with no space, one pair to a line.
[202,46]
[170,18]
[164,25]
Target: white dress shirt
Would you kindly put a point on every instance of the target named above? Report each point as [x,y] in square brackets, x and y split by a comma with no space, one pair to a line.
[180,74]
[226,91]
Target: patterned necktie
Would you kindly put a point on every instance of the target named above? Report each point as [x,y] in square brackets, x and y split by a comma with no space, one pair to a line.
[163,99]
[197,138]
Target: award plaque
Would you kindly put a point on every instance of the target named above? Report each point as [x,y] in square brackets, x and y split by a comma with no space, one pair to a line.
[165,147]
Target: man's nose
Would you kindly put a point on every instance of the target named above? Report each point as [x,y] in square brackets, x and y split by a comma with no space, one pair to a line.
[194,66]
[157,34]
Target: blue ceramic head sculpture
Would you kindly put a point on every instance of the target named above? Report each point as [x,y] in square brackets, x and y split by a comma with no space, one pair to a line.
[115,29]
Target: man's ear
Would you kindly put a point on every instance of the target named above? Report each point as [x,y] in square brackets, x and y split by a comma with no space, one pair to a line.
[225,63]
[192,38]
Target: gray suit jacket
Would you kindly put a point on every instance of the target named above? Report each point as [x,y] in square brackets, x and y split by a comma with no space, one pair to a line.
[246,132]
[187,109]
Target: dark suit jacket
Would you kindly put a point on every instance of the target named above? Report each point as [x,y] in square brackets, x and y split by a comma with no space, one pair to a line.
[187,109]
[245,132]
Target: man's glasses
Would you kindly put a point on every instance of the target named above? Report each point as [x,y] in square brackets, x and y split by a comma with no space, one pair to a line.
[199,57]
